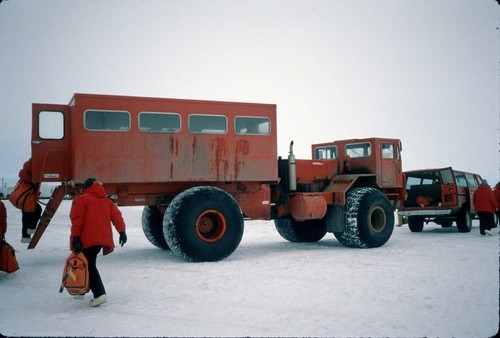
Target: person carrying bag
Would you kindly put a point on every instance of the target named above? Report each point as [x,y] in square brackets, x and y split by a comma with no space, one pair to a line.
[8,261]
[91,215]
[25,197]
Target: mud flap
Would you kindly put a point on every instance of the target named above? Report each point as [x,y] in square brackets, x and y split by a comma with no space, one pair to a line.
[48,213]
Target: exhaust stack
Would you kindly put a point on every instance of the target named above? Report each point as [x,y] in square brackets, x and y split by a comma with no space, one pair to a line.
[292,170]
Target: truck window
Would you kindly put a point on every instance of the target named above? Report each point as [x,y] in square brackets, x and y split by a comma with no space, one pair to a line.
[104,120]
[387,150]
[51,125]
[358,150]
[207,124]
[252,125]
[150,122]
[325,153]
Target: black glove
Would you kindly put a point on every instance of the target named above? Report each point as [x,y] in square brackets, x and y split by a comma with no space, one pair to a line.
[123,238]
[77,244]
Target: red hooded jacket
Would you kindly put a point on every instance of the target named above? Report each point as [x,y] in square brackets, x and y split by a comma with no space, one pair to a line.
[91,216]
[484,199]
[497,194]
[3,221]
[25,172]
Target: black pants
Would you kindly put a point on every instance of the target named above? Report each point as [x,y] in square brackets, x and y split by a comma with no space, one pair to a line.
[486,221]
[95,281]
[30,220]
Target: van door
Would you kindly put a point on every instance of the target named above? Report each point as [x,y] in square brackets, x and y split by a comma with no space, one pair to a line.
[473,182]
[50,143]
[448,188]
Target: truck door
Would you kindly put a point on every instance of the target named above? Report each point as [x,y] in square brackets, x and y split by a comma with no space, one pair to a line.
[391,165]
[50,142]
[448,187]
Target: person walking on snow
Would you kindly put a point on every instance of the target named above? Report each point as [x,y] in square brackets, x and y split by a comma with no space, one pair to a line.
[3,222]
[497,197]
[29,219]
[91,216]
[485,206]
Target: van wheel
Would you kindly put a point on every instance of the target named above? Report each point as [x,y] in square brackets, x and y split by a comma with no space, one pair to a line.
[464,221]
[308,231]
[446,223]
[203,224]
[152,225]
[416,223]
[369,219]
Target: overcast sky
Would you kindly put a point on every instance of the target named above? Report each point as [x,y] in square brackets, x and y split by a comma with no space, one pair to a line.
[426,71]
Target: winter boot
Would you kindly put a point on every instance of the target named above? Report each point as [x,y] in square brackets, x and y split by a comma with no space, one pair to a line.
[98,301]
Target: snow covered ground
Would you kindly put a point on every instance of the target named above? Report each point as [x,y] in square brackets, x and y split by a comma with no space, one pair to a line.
[435,283]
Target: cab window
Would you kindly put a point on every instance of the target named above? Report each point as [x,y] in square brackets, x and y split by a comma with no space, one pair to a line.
[358,150]
[325,153]
[387,150]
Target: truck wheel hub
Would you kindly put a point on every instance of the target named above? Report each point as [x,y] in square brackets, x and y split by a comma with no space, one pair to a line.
[377,219]
[211,226]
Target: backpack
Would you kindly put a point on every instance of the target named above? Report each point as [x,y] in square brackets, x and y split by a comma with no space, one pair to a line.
[75,277]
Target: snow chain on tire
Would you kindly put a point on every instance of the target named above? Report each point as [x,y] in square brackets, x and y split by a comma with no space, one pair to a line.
[369,219]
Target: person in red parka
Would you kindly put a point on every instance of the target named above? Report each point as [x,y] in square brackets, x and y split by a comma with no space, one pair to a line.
[3,222]
[91,216]
[29,219]
[485,206]
[497,197]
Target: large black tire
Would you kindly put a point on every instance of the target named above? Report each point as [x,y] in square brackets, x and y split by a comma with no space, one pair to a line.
[369,219]
[415,223]
[464,220]
[203,224]
[152,225]
[307,231]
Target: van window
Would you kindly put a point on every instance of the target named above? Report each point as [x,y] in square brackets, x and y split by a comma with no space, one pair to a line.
[446,176]
[358,150]
[150,122]
[325,153]
[207,124]
[471,180]
[421,178]
[51,125]
[461,181]
[105,120]
[252,125]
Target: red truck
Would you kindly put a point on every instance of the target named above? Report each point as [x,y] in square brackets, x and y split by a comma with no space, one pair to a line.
[201,167]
